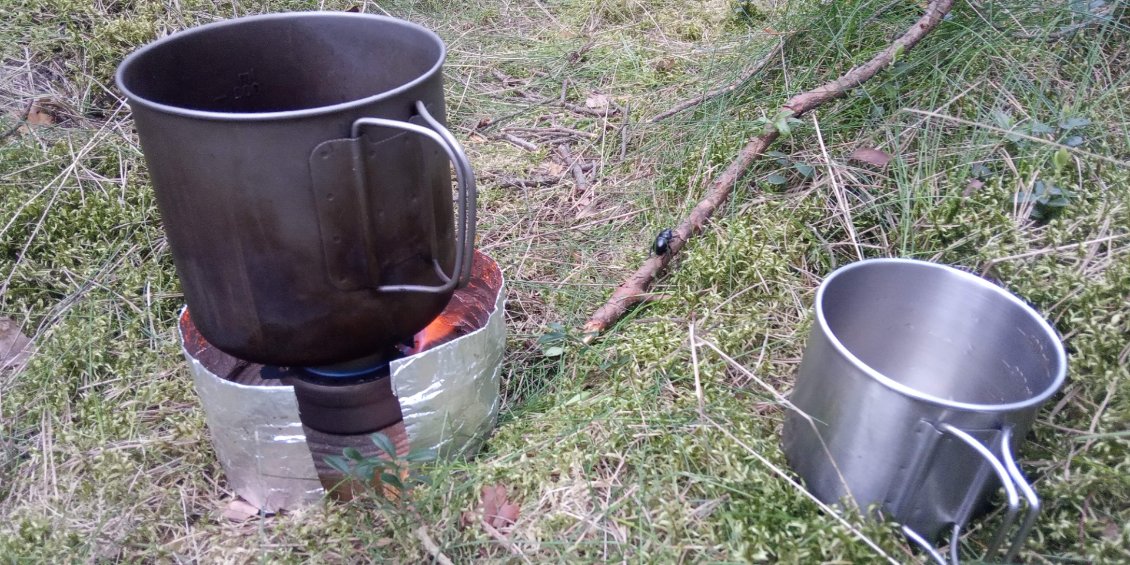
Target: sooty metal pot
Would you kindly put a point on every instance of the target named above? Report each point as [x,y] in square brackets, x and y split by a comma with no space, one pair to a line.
[302,171]
[917,382]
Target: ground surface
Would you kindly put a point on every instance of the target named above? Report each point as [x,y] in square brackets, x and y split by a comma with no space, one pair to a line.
[607,450]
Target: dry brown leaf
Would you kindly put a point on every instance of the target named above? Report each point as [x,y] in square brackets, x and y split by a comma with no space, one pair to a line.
[598,102]
[41,114]
[494,509]
[870,156]
[240,510]
[15,347]
[555,169]
[973,186]
[506,517]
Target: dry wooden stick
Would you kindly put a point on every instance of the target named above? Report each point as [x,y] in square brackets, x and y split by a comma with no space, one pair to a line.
[632,290]
[692,102]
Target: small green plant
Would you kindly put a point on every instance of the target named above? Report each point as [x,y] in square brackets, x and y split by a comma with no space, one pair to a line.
[400,473]
[782,123]
[1047,200]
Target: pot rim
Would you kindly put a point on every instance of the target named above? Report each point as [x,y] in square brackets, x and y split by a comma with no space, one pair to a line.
[1052,336]
[134,57]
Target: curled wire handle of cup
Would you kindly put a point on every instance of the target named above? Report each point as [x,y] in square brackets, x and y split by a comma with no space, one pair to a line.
[1012,479]
[465,179]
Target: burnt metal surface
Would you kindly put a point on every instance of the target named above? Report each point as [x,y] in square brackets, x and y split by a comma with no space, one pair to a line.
[229,115]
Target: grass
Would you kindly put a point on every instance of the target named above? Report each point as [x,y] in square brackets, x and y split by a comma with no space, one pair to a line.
[103,450]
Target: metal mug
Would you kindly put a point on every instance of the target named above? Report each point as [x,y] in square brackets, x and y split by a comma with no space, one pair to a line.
[302,171]
[917,382]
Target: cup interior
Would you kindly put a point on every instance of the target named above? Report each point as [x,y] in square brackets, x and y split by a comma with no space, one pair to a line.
[941,332]
[281,62]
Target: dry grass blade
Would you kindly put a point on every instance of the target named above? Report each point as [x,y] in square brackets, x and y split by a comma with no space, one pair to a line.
[746,76]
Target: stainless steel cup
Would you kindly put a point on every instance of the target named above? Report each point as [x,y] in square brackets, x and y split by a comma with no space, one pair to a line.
[917,382]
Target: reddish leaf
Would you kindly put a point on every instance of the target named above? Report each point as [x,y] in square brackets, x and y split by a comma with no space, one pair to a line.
[872,157]
[240,511]
[15,347]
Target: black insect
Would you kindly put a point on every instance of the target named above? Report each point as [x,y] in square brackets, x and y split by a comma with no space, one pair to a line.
[663,241]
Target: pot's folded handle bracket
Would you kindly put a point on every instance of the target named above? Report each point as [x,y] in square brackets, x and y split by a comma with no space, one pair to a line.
[1015,485]
[337,164]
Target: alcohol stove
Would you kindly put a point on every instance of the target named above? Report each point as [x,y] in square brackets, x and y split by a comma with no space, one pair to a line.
[441,394]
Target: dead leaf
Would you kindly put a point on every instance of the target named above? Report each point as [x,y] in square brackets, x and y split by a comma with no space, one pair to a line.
[1111,531]
[484,123]
[973,186]
[872,157]
[240,510]
[494,509]
[598,102]
[15,347]
[42,113]
[555,169]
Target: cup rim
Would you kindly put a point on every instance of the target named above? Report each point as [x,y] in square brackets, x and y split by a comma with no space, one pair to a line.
[1050,333]
[135,56]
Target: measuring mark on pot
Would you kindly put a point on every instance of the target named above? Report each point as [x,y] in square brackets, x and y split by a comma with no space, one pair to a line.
[245,87]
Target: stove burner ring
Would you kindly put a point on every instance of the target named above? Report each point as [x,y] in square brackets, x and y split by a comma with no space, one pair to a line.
[343,401]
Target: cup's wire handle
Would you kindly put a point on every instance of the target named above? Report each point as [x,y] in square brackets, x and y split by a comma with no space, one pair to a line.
[1013,480]
[467,197]
[929,547]
[1025,488]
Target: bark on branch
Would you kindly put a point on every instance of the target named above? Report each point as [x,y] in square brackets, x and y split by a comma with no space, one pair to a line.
[632,290]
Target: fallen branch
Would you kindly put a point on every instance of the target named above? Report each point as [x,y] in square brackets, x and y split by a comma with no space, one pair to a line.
[632,289]
[692,102]
[431,547]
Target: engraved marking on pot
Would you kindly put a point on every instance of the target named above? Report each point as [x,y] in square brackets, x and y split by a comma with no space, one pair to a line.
[247,85]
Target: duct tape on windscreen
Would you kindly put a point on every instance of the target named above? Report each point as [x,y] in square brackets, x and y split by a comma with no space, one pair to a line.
[449,396]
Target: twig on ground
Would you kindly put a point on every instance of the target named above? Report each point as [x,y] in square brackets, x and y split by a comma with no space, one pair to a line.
[502,539]
[600,113]
[430,545]
[513,139]
[581,184]
[556,131]
[708,95]
[630,291]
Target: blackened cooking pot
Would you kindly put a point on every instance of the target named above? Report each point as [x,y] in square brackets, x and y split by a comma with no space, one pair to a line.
[301,168]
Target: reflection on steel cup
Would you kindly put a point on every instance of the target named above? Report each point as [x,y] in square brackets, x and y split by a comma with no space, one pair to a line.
[917,383]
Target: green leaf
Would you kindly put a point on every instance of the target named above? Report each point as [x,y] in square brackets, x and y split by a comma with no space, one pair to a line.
[555,351]
[1038,128]
[1073,141]
[783,128]
[777,179]
[352,453]
[365,471]
[781,158]
[1061,159]
[421,455]
[1074,123]
[339,463]
[384,444]
[898,53]
[392,480]
[805,169]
